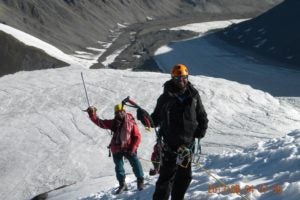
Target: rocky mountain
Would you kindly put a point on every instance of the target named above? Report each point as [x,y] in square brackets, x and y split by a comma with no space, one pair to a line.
[15,53]
[74,25]
[275,33]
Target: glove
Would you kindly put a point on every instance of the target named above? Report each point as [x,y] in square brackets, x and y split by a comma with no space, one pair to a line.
[199,133]
[144,117]
[91,111]
[140,113]
[132,152]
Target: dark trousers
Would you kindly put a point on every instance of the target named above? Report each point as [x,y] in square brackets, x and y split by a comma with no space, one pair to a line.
[119,165]
[172,179]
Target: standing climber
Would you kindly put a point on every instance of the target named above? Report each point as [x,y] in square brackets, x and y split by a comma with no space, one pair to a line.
[125,140]
[181,117]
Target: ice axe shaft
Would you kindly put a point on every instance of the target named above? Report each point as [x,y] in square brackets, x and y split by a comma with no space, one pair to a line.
[86,95]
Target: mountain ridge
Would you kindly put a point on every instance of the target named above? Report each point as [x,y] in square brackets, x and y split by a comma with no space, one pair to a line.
[74,25]
[273,34]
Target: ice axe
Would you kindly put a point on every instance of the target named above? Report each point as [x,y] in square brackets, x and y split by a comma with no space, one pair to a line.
[86,95]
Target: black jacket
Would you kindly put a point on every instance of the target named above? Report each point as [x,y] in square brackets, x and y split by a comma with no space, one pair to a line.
[181,117]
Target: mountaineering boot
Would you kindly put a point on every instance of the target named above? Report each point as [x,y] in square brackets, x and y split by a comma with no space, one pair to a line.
[122,187]
[140,184]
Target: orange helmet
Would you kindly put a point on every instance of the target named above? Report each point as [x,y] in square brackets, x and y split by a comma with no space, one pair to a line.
[179,70]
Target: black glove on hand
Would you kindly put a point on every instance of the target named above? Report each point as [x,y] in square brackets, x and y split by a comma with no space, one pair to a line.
[143,116]
[139,113]
[91,110]
[199,133]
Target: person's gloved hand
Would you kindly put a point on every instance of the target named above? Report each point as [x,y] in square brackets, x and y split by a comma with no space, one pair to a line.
[91,111]
[144,117]
[132,152]
[128,153]
[199,133]
[140,113]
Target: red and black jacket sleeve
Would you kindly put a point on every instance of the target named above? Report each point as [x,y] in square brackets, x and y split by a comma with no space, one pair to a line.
[105,124]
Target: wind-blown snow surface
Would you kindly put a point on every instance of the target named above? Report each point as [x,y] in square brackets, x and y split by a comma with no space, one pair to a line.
[47,141]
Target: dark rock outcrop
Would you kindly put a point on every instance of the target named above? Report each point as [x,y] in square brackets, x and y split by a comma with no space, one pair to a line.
[16,56]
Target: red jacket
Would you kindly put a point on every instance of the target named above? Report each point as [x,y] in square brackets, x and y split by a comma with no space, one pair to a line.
[131,134]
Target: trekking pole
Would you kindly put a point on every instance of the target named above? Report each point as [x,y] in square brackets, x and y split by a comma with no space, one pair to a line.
[87,98]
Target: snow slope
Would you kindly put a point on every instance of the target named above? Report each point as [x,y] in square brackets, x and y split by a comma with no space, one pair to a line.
[47,141]
[265,171]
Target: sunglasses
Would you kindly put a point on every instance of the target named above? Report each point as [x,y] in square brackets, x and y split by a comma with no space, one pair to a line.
[179,78]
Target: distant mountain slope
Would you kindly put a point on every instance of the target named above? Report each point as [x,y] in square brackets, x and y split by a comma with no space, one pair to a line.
[16,56]
[74,25]
[275,33]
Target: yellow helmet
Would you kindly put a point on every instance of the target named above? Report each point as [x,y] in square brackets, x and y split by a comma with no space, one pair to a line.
[118,107]
[179,70]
